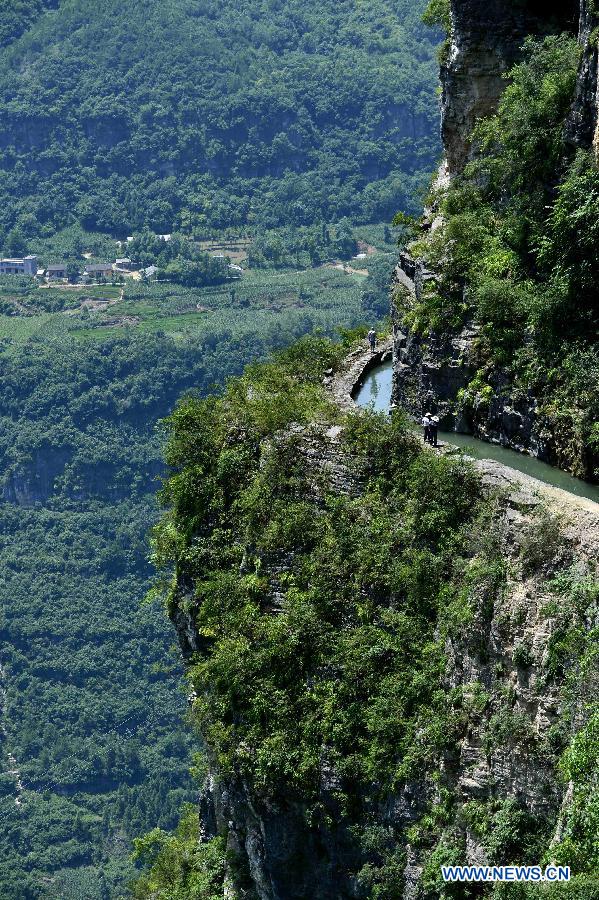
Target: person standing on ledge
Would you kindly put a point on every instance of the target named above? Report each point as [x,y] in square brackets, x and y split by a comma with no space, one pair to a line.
[372,339]
[426,424]
[433,430]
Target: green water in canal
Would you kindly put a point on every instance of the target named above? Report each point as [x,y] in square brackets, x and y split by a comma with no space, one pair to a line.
[376,388]
[375,393]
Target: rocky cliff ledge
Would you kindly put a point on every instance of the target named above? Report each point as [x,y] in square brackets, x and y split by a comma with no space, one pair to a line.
[443,373]
[510,672]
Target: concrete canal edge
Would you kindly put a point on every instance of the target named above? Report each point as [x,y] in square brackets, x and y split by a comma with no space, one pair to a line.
[526,490]
[346,383]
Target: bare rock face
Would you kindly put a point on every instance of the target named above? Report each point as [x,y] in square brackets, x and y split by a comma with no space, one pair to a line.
[486,41]
[583,127]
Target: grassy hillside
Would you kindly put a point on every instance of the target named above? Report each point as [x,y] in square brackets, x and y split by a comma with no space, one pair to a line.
[201,116]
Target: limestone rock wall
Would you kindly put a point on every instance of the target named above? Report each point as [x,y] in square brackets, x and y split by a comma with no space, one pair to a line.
[513,707]
[485,42]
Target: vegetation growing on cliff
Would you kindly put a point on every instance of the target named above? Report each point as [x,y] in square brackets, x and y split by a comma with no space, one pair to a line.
[343,671]
[323,613]
[380,564]
[181,866]
[574,652]
[520,236]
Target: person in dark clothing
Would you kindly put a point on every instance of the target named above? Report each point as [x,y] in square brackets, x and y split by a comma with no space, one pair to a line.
[372,339]
[433,430]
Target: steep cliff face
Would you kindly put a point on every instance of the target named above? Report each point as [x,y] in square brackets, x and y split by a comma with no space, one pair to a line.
[442,373]
[507,642]
[485,42]
[584,123]
[500,767]
[445,367]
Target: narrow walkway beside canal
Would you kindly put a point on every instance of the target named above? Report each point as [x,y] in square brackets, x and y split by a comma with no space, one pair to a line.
[366,381]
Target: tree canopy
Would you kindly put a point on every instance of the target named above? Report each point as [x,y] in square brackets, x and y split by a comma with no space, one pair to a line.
[198,116]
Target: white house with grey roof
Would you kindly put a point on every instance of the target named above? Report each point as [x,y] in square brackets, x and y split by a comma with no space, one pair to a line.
[25,266]
[99,270]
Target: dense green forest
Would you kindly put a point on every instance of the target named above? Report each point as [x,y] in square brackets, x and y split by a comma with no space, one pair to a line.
[195,116]
[94,742]
[92,721]
[19,15]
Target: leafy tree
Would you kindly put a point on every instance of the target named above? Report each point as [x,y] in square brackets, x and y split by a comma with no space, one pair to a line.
[73,272]
[344,242]
[16,243]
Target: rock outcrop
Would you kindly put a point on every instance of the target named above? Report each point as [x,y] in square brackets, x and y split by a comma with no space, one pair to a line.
[505,753]
[485,42]
[512,726]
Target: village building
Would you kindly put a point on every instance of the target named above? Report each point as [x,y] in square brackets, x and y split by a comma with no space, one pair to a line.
[57,271]
[99,270]
[25,266]
[123,264]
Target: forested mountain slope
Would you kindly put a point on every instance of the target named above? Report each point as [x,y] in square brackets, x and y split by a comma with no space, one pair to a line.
[202,115]
[188,116]
[19,15]
[93,745]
